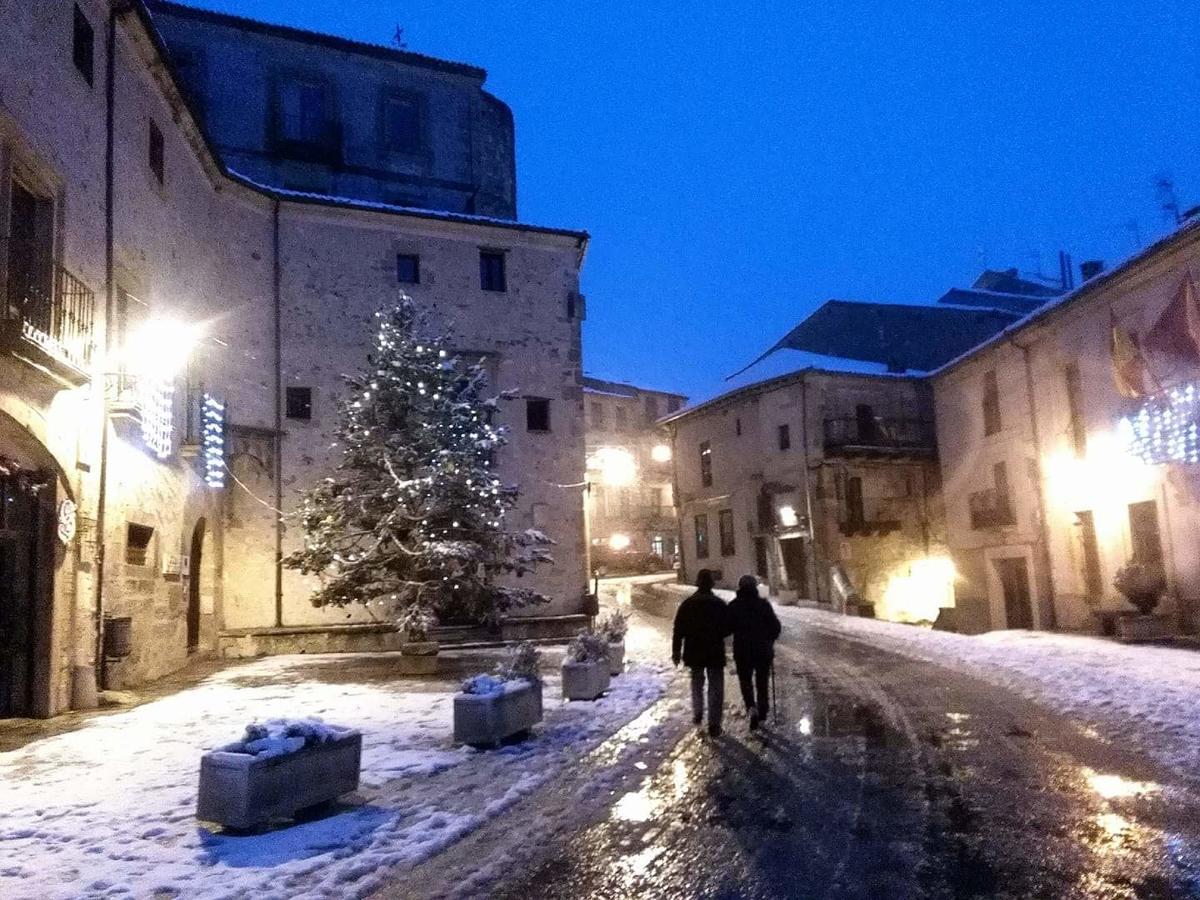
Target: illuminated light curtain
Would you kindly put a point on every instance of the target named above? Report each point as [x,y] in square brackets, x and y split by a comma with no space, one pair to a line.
[213,441]
[1164,429]
[156,407]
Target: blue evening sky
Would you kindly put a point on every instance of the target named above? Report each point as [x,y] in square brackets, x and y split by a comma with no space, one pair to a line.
[736,165]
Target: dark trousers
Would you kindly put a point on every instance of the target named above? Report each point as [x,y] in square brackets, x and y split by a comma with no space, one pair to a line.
[715,676]
[754,676]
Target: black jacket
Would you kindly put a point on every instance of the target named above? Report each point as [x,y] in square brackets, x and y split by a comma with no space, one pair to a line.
[701,626]
[755,627]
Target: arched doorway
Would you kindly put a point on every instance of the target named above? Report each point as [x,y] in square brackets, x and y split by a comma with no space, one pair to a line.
[26,586]
[196,586]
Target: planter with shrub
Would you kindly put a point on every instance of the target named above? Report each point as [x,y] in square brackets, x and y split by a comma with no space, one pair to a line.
[585,670]
[613,629]
[1143,585]
[493,708]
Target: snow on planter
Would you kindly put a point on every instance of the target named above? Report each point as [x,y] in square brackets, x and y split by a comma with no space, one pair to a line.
[585,670]
[278,768]
[613,629]
[493,708]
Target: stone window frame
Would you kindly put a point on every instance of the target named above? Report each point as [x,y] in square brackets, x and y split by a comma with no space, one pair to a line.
[297,406]
[726,532]
[493,253]
[325,149]
[40,180]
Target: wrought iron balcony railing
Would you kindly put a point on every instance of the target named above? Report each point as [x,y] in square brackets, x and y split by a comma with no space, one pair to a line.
[49,314]
[887,435]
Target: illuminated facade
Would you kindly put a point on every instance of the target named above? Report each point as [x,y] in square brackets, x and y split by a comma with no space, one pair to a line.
[1053,479]
[631,509]
[168,384]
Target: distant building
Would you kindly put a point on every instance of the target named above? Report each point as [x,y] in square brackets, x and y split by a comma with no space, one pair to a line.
[322,114]
[631,507]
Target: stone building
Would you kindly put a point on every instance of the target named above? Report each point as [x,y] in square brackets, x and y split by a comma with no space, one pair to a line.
[822,481]
[631,509]
[1053,478]
[173,336]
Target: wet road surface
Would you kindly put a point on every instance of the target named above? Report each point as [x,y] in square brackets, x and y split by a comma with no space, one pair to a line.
[883,778]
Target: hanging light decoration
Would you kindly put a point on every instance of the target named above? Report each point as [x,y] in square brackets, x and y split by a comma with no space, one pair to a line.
[213,442]
[1164,429]
[156,408]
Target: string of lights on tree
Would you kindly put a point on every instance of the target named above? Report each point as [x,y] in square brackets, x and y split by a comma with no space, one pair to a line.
[414,517]
[1164,429]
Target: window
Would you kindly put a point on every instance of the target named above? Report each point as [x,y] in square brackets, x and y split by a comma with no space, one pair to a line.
[1075,409]
[706,476]
[302,117]
[402,124]
[30,253]
[408,268]
[1000,480]
[855,512]
[537,414]
[991,403]
[785,437]
[1089,549]
[725,531]
[137,544]
[1143,533]
[156,151]
[491,271]
[702,537]
[622,420]
[651,410]
[299,403]
[673,404]
[597,414]
[83,47]
[866,423]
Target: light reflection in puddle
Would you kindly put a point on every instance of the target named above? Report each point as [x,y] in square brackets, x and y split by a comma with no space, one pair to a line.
[634,732]
[636,806]
[1115,787]
[679,778]
[638,863]
[1113,825]
[958,718]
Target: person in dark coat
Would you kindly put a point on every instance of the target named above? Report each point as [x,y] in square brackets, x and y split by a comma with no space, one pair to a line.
[755,630]
[701,626]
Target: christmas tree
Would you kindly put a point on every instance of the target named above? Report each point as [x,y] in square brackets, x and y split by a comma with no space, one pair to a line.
[414,517]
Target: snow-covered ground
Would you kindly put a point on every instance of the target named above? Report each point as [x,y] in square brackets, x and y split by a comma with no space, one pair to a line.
[108,810]
[1146,697]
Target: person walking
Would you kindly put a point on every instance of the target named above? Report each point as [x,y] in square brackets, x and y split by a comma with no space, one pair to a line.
[755,630]
[698,638]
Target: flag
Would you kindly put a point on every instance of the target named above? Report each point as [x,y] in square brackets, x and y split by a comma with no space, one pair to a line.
[1129,369]
[1177,331]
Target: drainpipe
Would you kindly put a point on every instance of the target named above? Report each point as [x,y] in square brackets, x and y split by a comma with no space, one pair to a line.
[675,499]
[812,525]
[278,312]
[110,95]
[1043,525]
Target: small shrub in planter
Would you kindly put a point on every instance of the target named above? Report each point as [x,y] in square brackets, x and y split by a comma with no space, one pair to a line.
[277,769]
[613,629]
[493,708]
[585,670]
[418,654]
[1141,584]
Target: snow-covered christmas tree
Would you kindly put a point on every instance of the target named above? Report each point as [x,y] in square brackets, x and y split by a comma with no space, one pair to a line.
[413,520]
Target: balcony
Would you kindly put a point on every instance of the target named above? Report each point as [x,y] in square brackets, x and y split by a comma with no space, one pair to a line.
[48,319]
[990,509]
[857,436]
[864,527]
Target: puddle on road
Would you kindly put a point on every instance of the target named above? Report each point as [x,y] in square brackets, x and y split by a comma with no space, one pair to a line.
[1116,787]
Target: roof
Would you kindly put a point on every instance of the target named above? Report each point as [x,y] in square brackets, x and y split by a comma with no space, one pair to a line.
[781,366]
[334,42]
[420,212]
[1022,304]
[903,337]
[1188,229]
[593,385]
[1007,281]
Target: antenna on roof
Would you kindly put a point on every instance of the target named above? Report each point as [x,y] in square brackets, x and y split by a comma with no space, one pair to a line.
[1135,229]
[398,38]
[1164,187]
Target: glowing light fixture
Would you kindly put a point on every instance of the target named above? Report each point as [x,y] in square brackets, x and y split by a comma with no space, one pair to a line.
[616,466]
[788,517]
[916,595]
[160,348]
[661,453]
[619,542]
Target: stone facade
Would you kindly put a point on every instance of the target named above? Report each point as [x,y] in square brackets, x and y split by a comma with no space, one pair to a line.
[282,288]
[631,505]
[1044,500]
[320,114]
[851,454]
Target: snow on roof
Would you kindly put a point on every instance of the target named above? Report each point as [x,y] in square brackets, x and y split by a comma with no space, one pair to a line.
[376,206]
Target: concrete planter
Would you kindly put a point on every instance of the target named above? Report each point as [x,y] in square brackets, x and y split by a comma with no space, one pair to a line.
[242,791]
[585,681]
[1132,629]
[616,657]
[418,658]
[484,720]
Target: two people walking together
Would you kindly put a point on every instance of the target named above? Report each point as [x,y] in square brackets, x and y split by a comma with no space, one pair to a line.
[702,623]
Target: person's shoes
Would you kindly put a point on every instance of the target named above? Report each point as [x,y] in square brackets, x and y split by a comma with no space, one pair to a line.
[762,716]
[754,720]
[714,730]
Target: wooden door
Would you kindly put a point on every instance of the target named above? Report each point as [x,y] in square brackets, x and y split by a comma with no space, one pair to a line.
[24,575]
[795,565]
[1014,582]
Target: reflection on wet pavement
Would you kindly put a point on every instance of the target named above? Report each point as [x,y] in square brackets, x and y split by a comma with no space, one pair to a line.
[884,778]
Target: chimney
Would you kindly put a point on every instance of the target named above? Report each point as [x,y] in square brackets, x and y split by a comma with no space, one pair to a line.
[1089,269]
